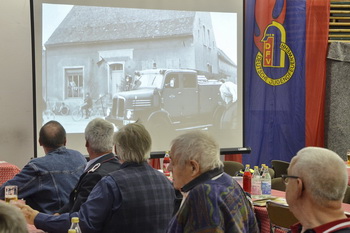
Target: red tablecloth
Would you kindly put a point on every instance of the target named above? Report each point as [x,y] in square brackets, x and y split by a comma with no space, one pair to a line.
[7,171]
[263,218]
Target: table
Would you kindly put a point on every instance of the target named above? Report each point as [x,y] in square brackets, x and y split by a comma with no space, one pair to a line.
[7,171]
[263,218]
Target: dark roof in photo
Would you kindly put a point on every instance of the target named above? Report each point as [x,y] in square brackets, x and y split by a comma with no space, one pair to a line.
[102,24]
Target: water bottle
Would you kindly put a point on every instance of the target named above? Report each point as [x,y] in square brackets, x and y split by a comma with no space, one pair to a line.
[75,225]
[256,183]
[266,183]
[166,162]
[247,179]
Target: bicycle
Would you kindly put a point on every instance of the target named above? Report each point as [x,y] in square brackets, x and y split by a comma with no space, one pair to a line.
[97,110]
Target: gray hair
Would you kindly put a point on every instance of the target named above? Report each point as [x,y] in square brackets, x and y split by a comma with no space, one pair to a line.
[198,146]
[11,219]
[99,134]
[323,172]
[133,143]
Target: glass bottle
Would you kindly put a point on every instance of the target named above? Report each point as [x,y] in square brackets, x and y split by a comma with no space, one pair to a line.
[247,179]
[266,183]
[166,162]
[256,183]
[75,224]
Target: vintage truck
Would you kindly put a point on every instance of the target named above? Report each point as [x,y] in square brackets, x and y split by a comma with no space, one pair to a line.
[169,99]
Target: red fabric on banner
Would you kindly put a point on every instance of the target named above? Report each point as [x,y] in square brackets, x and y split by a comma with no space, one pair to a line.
[317,24]
[234,157]
[155,163]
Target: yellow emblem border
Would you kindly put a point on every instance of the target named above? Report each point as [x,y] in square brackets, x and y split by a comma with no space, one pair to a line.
[285,78]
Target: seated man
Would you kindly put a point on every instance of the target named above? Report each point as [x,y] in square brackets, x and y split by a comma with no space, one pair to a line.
[99,144]
[315,186]
[135,198]
[212,200]
[45,182]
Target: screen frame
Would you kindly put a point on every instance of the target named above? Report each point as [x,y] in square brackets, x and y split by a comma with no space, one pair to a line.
[213,6]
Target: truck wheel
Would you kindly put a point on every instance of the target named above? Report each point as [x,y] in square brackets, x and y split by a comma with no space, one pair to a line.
[217,117]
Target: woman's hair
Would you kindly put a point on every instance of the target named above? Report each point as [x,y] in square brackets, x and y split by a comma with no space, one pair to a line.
[323,173]
[99,134]
[133,143]
[197,146]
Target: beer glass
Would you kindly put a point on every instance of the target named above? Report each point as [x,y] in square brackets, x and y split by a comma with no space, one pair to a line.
[11,193]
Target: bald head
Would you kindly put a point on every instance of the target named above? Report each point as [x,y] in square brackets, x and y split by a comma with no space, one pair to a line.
[52,135]
[322,171]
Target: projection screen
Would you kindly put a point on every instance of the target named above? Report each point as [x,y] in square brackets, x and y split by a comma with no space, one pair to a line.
[175,66]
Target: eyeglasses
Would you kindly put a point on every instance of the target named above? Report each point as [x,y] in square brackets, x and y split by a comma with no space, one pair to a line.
[285,178]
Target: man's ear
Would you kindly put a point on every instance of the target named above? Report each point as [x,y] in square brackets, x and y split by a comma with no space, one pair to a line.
[300,186]
[86,143]
[195,167]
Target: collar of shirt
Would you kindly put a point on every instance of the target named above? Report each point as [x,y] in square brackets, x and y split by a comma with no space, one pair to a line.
[202,178]
[209,175]
[92,161]
[328,227]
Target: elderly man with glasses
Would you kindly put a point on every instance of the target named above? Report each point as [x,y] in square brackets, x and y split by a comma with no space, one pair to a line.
[315,187]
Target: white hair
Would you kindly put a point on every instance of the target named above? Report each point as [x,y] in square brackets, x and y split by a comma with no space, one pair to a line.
[99,133]
[323,172]
[197,146]
[11,219]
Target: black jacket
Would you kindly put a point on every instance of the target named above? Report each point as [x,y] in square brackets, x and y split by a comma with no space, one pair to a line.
[88,180]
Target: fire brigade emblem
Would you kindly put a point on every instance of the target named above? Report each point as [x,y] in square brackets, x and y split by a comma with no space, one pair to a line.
[275,51]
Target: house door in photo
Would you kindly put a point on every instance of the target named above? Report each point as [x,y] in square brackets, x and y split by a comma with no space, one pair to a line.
[116,77]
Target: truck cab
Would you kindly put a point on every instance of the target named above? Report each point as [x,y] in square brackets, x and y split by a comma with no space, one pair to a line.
[173,98]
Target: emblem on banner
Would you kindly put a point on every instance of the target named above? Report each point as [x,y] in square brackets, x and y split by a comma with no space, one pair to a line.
[270,59]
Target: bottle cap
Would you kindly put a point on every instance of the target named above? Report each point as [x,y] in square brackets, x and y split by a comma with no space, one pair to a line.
[75,219]
[72,231]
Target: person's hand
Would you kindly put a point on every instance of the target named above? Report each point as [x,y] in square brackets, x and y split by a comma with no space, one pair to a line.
[27,211]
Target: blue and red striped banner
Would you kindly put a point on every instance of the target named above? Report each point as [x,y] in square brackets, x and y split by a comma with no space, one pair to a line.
[278,74]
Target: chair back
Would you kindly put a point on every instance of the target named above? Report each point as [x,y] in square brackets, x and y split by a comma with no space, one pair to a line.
[280,167]
[347,195]
[280,216]
[272,173]
[278,184]
[232,167]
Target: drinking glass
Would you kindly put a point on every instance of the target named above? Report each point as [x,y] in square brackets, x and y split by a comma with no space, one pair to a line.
[11,193]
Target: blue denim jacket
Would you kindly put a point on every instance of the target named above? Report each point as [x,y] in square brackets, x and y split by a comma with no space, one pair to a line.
[46,182]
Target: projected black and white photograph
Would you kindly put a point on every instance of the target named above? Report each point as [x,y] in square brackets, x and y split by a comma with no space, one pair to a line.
[171,70]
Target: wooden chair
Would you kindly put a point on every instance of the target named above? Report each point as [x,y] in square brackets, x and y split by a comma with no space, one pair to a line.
[278,184]
[232,167]
[280,216]
[280,167]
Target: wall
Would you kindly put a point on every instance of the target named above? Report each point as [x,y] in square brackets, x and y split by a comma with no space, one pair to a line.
[337,109]
[16,100]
